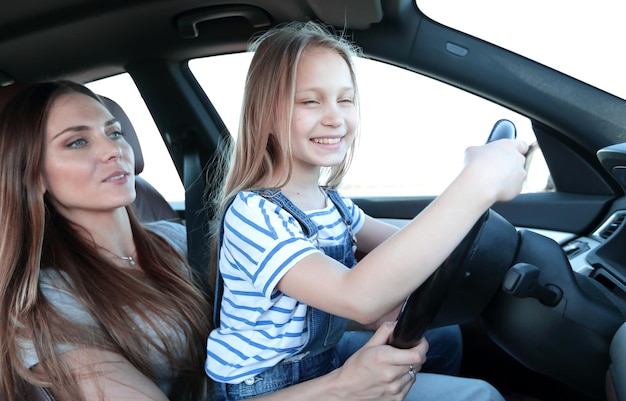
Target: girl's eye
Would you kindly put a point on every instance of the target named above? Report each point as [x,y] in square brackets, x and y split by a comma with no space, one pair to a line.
[347,100]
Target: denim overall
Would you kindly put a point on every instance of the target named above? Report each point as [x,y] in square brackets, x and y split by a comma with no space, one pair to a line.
[317,356]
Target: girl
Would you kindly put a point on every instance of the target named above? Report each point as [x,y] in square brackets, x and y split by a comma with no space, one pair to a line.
[288,238]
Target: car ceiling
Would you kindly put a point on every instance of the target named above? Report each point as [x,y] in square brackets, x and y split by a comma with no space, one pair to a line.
[38,33]
[39,39]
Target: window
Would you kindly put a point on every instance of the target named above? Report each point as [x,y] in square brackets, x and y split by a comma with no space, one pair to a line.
[585,45]
[159,169]
[414,129]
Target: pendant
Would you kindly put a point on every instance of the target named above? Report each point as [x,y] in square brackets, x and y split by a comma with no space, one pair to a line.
[130,260]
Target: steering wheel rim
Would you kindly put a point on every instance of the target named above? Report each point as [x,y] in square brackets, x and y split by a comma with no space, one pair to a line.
[421,307]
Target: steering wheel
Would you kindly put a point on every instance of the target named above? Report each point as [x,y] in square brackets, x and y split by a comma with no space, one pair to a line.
[421,307]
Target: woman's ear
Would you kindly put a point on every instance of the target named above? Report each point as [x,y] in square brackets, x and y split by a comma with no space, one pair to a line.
[42,185]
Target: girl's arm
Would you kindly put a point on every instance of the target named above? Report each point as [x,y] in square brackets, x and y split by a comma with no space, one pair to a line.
[375,372]
[390,272]
[373,233]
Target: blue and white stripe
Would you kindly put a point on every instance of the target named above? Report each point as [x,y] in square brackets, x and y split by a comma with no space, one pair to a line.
[260,326]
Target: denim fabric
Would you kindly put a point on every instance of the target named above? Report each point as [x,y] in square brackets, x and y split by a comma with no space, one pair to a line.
[287,373]
[444,353]
[433,387]
[317,357]
[444,358]
[329,346]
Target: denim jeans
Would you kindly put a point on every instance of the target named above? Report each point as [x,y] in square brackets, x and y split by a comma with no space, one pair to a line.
[444,353]
[436,380]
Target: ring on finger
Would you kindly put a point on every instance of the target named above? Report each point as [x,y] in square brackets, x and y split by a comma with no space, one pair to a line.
[412,374]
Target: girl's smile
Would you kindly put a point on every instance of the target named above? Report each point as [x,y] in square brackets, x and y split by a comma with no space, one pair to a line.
[324,114]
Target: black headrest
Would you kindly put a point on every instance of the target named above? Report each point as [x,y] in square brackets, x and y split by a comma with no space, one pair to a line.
[7,93]
[127,129]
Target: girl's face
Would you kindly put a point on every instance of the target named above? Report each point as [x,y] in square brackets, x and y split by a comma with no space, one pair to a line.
[88,166]
[324,115]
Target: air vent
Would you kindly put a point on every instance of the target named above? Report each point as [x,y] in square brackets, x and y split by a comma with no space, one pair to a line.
[611,225]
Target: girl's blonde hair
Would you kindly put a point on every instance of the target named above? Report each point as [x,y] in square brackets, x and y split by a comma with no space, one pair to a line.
[34,236]
[263,142]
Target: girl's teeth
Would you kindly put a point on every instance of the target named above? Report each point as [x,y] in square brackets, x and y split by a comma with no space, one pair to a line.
[327,141]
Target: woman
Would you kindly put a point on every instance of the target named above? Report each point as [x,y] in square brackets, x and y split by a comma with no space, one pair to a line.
[94,305]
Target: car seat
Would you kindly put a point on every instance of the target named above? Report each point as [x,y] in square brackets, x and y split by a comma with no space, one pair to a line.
[149,204]
[616,375]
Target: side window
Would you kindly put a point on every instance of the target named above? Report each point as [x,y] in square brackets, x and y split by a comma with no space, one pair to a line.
[414,129]
[159,169]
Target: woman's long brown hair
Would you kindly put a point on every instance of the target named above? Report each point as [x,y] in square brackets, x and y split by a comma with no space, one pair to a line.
[33,236]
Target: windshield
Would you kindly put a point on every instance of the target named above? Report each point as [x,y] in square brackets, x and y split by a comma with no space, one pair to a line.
[582,39]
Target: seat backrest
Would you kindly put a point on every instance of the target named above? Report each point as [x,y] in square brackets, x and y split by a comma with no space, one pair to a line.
[616,375]
[149,204]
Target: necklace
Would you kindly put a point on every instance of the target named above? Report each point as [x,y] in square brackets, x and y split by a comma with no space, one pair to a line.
[129,259]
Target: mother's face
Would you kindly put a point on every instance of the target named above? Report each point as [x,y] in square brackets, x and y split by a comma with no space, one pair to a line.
[88,167]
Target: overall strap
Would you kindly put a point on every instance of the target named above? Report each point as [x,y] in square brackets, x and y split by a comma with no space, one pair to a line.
[275,196]
[308,228]
[341,206]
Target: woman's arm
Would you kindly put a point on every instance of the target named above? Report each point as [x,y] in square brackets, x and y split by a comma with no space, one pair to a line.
[375,372]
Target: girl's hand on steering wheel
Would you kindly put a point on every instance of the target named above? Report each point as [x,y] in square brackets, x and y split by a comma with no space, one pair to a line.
[498,166]
[379,371]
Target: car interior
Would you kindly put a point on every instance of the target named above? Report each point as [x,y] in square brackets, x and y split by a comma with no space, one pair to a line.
[539,284]
[149,205]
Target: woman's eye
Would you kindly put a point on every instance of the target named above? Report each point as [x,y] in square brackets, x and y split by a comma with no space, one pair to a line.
[78,143]
[116,135]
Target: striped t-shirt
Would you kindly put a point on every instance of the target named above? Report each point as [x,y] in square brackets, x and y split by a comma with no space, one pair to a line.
[260,326]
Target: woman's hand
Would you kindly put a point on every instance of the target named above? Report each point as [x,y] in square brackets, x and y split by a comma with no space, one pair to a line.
[379,371]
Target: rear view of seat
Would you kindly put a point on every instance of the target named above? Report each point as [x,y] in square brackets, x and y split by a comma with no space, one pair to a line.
[149,205]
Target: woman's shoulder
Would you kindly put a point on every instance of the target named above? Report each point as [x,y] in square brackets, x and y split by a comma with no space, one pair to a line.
[172,232]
